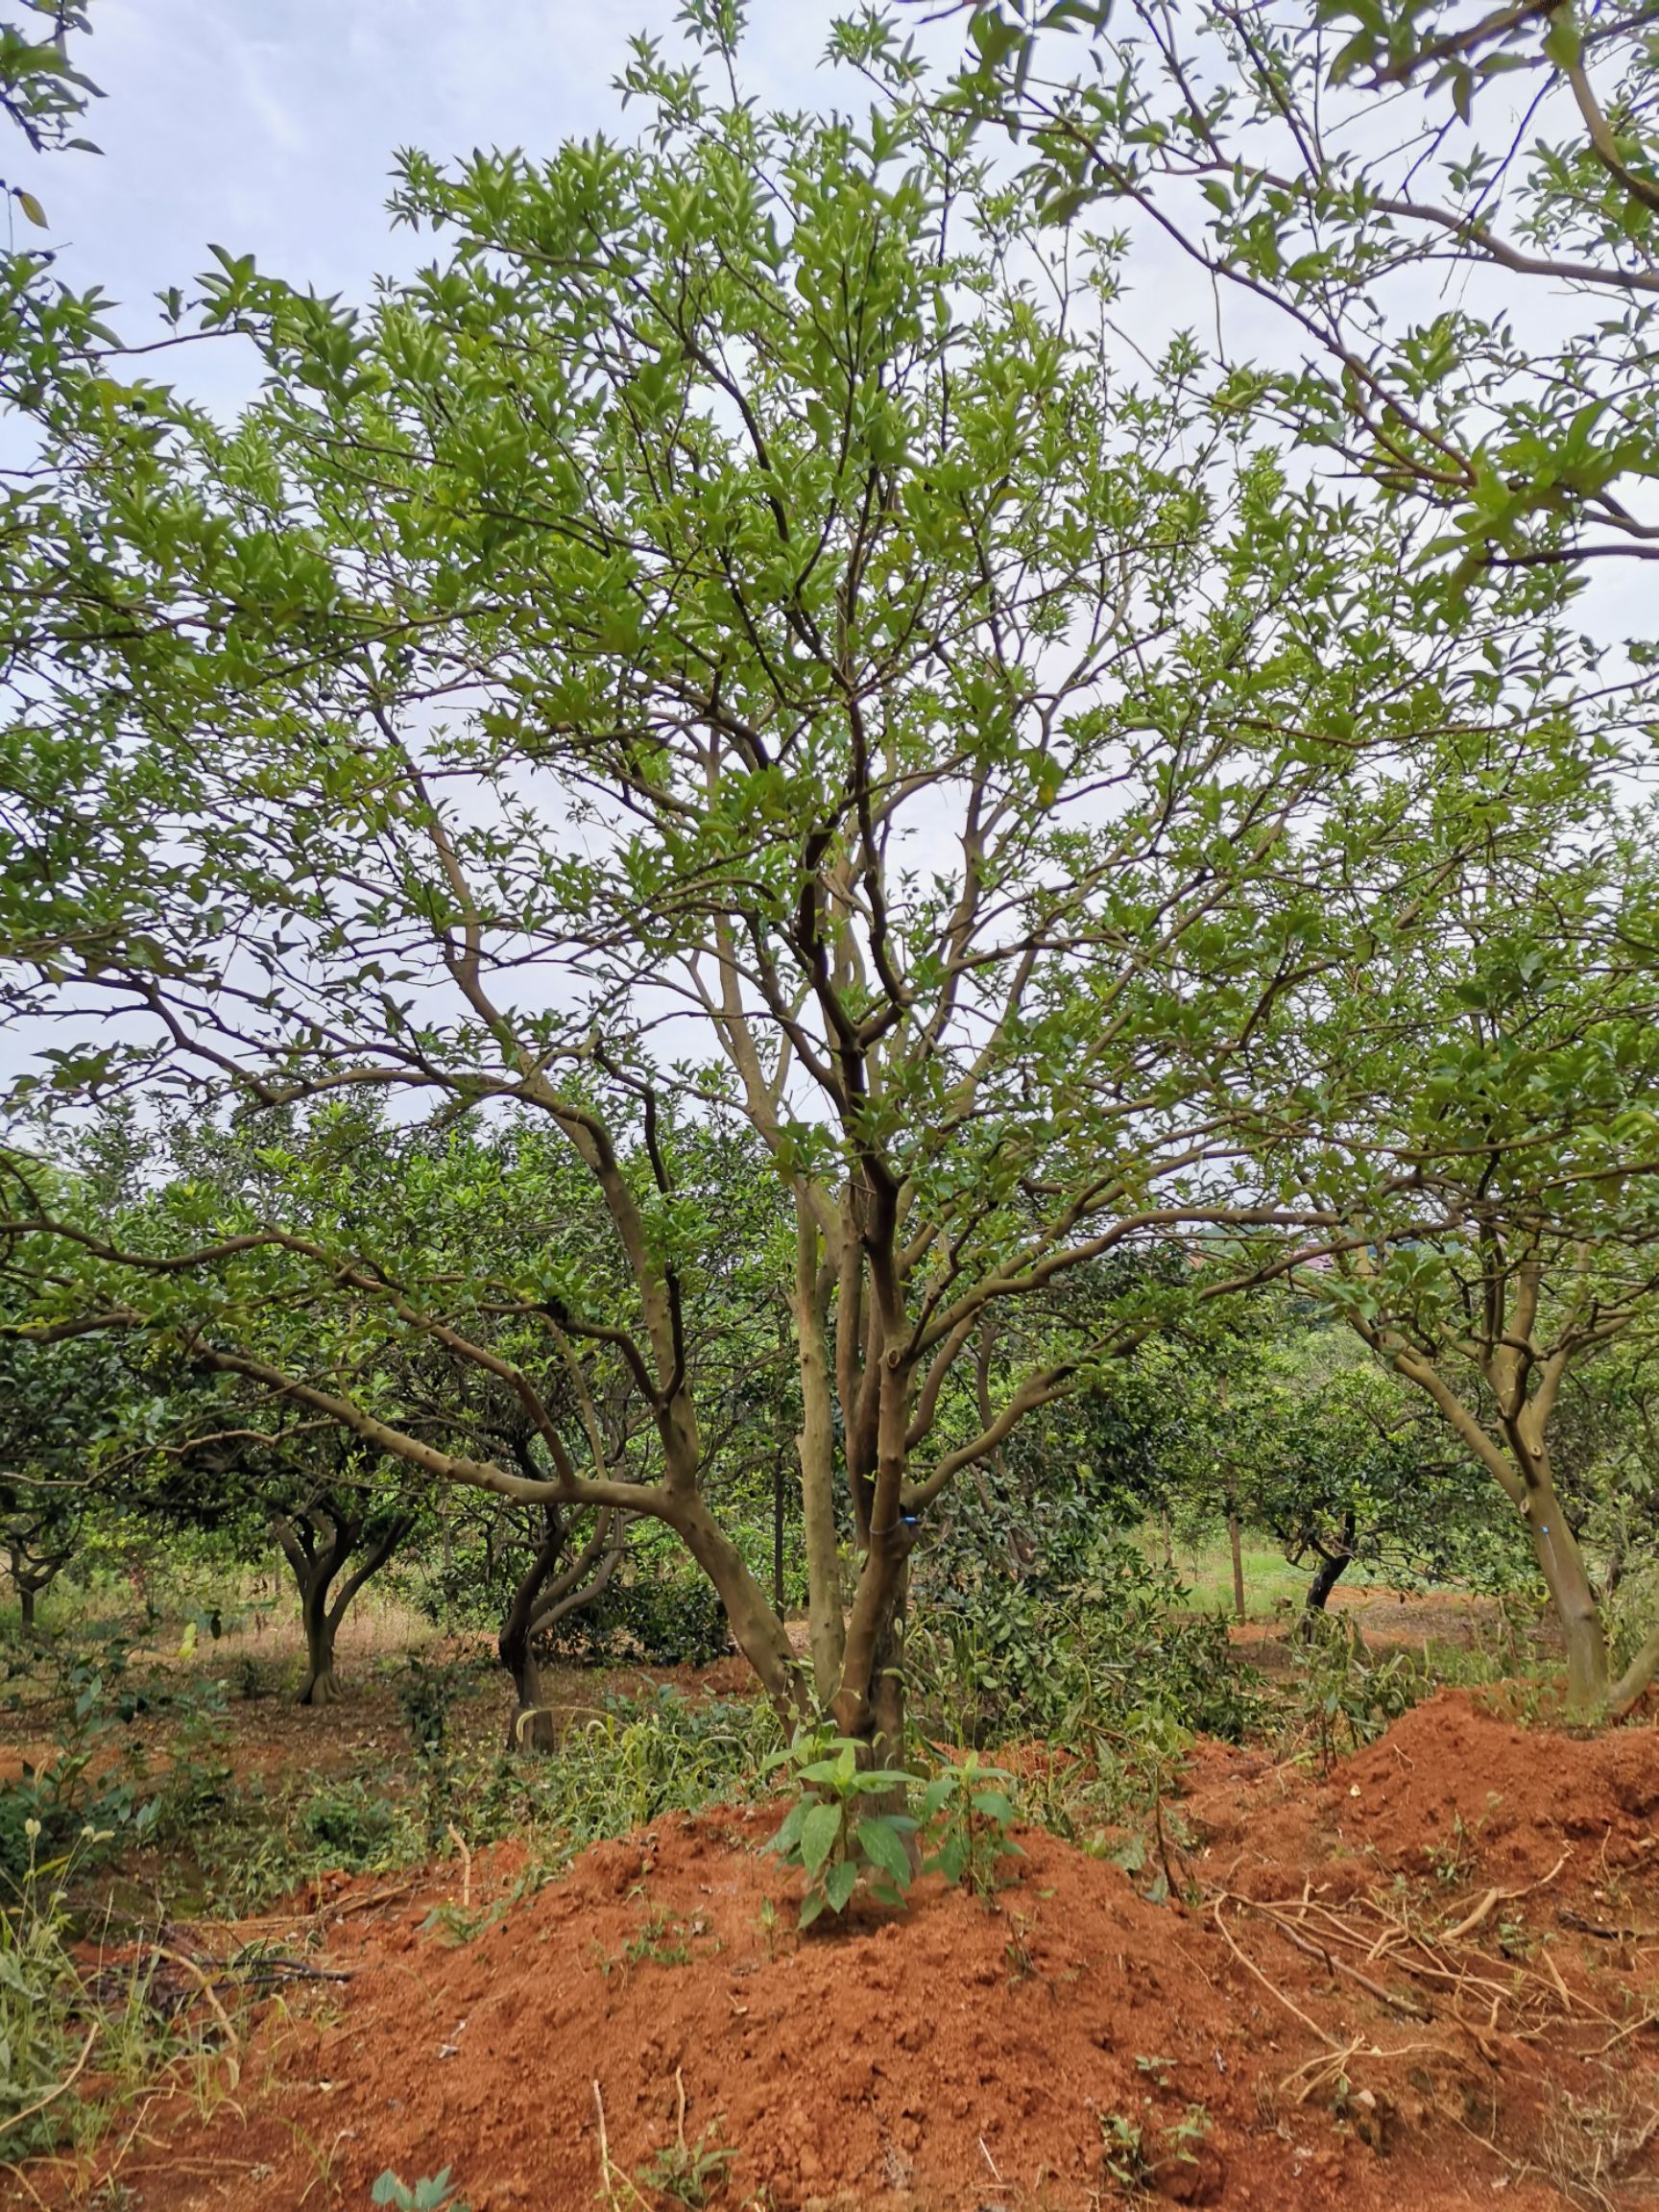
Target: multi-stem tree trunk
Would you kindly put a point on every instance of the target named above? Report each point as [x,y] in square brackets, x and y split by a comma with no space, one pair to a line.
[320,1685]
[1525,1382]
[317,1544]
[544,1594]
[33,1572]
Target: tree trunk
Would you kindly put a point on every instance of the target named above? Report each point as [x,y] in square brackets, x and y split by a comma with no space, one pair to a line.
[825,1625]
[1568,1579]
[760,1635]
[887,1680]
[1334,1560]
[1615,1574]
[1636,1678]
[872,1713]
[316,1566]
[1329,1573]
[530,1726]
[26,1602]
[1236,1544]
[321,1686]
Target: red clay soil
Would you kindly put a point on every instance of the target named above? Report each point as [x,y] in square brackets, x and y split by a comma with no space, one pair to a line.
[966,2059]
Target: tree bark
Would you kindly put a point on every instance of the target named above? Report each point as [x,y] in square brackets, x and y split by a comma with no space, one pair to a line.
[322,1685]
[530,1724]
[1635,1680]
[31,1575]
[1331,1567]
[1236,1545]
[826,1629]
[547,1594]
[317,1544]
[1524,1472]
[1334,1563]
[887,1703]
[872,1713]
[762,1636]
[1568,1580]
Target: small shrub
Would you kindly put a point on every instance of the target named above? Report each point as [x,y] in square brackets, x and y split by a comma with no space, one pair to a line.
[49,1810]
[197,1788]
[1142,2157]
[689,2173]
[828,1834]
[39,1989]
[1069,1652]
[661,1618]
[968,1809]
[426,1697]
[355,1823]
[641,1757]
[1345,1697]
[56,2030]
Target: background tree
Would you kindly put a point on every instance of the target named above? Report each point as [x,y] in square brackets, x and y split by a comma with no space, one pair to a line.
[67,1412]
[1345,1466]
[329,1507]
[1482,1121]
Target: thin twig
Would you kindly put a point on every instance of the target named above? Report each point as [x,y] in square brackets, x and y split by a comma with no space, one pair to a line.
[234,2055]
[1272,1987]
[610,2173]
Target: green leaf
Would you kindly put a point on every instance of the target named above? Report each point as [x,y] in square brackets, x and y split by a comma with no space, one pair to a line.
[882,1846]
[31,206]
[788,1836]
[839,1883]
[937,1794]
[810,1909]
[952,1858]
[818,1833]
[993,35]
[994,1806]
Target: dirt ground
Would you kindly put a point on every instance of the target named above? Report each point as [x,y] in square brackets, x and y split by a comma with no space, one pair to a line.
[1427,1981]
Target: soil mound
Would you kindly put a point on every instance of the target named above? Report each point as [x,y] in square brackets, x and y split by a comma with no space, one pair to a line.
[1321,2024]
[1452,1790]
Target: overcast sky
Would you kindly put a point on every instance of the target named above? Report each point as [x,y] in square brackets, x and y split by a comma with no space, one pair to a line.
[270,126]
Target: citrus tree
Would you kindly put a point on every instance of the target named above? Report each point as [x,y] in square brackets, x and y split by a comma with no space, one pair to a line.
[731,642]
[1482,1121]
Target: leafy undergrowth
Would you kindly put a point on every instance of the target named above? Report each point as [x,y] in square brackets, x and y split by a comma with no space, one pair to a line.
[1429,1977]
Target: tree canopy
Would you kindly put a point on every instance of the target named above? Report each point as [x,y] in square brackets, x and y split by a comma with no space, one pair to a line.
[728,668]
